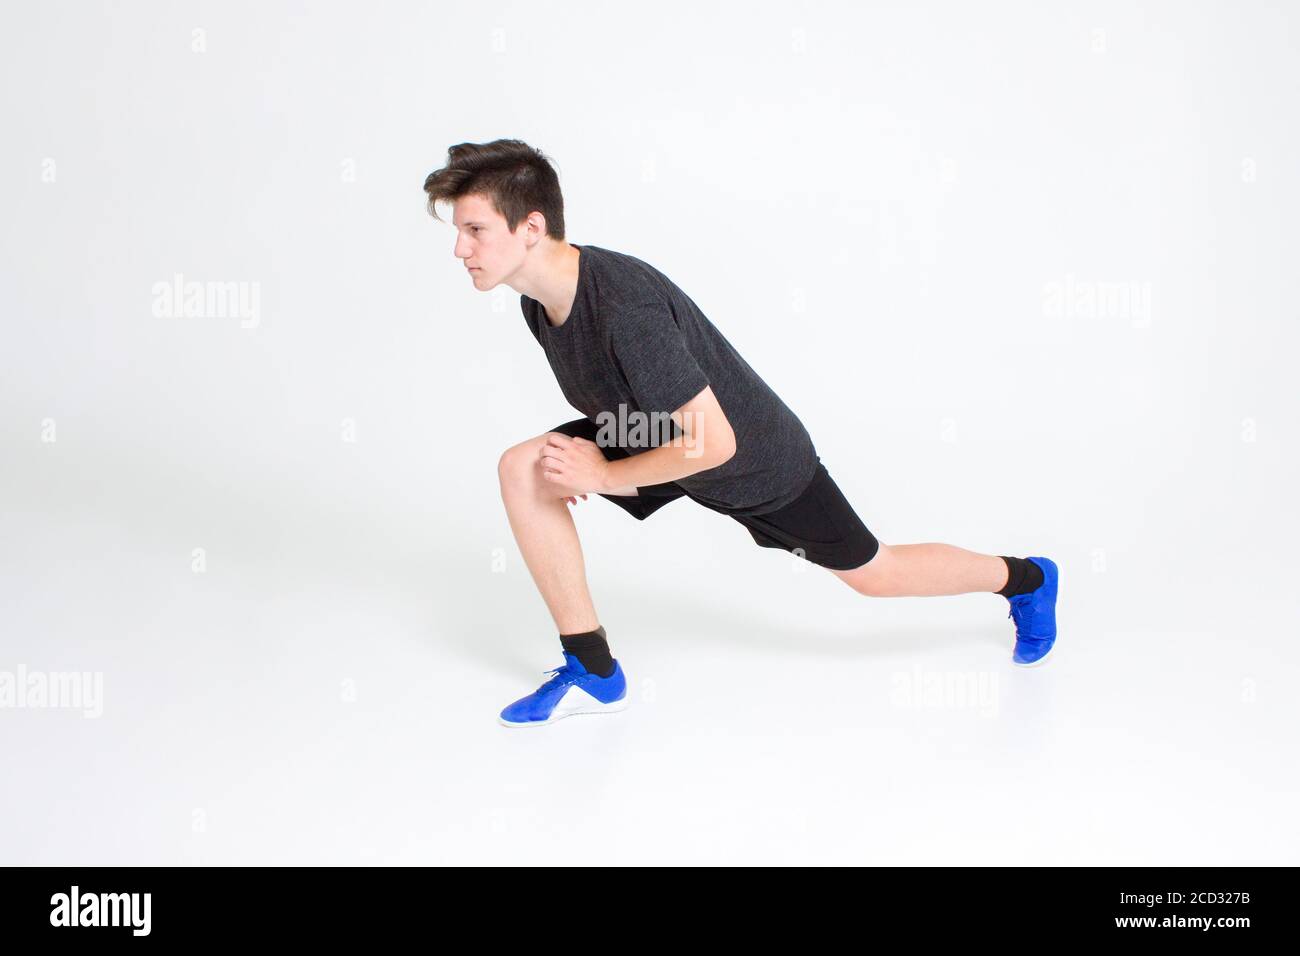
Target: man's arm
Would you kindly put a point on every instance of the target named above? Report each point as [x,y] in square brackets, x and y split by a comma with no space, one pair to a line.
[707,442]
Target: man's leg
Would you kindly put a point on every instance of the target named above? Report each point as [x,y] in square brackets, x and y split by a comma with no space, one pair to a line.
[547,536]
[926,570]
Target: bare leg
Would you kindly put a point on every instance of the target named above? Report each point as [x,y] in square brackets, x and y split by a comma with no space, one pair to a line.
[926,570]
[547,537]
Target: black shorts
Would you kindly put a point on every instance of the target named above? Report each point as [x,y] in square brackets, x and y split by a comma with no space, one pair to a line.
[820,525]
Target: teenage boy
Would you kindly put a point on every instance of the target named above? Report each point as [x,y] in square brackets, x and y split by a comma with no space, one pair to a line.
[671,410]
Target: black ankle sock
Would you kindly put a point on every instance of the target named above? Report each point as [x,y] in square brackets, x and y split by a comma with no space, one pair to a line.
[591,650]
[1023,576]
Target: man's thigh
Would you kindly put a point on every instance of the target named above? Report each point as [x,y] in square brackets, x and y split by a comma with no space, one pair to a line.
[820,525]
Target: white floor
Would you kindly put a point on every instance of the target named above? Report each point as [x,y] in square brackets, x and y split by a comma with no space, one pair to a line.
[326,692]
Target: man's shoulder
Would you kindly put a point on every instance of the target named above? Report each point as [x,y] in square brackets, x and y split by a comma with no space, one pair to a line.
[627,282]
[618,261]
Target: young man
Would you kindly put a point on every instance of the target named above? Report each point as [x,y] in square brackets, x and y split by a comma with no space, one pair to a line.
[627,344]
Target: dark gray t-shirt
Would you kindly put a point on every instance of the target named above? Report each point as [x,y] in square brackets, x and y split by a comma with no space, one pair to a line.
[634,338]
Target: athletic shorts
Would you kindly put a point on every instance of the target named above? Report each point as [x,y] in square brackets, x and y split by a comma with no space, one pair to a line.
[820,525]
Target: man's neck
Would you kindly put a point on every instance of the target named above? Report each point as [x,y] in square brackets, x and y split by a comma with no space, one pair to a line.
[553,281]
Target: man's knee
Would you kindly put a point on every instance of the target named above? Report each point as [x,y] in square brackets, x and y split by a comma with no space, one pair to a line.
[519,465]
[876,578]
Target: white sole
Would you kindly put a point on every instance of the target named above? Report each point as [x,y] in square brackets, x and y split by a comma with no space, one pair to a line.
[589,709]
[1038,663]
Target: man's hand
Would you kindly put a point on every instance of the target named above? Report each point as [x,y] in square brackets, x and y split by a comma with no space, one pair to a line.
[577,464]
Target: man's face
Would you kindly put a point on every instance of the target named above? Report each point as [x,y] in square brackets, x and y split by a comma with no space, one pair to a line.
[488,248]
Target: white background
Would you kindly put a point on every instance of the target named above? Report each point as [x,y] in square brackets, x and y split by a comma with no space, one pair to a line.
[875,204]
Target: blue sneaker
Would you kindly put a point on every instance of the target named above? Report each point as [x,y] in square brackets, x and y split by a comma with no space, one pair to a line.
[573,690]
[1035,617]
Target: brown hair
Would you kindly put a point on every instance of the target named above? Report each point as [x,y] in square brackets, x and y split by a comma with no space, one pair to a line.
[515,178]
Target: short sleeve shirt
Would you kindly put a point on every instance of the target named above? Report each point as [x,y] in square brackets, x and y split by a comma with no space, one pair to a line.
[635,343]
